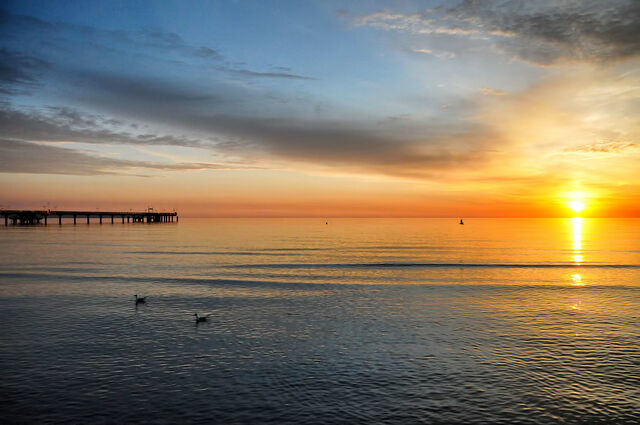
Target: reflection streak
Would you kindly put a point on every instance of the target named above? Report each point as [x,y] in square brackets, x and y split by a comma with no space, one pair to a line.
[576,223]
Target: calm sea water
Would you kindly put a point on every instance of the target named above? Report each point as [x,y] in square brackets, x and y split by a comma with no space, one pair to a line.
[355,321]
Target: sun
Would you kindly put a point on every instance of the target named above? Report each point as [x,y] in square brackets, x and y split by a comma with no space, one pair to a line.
[577,206]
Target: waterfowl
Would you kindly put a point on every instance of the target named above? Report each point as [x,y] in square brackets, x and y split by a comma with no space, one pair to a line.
[200,319]
[140,300]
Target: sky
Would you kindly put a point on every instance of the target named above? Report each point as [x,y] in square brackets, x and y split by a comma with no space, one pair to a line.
[477,108]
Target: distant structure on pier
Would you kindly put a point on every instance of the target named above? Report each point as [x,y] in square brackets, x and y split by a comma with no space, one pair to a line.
[24,217]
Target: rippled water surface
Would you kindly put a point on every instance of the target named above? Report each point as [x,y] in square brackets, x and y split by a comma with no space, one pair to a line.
[354,321]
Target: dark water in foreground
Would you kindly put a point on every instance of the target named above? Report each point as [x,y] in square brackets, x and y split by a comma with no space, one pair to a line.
[358,321]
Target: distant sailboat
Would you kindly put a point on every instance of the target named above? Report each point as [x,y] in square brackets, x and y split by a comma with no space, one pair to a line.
[461,222]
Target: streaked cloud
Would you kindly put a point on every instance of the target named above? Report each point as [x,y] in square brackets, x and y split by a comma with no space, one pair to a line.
[543,32]
[67,125]
[34,158]
[15,29]
[605,147]
[20,72]
[487,91]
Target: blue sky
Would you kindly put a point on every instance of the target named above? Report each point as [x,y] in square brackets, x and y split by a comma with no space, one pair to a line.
[448,97]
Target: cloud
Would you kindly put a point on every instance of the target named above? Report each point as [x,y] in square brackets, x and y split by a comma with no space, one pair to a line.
[67,125]
[207,52]
[60,36]
[19,72]
[249,73]
[64,38]
[605,147]
[355,146]
[543,32]
[487,91]
[397,148]
[232,119]
[438,54]
[148,88]
[25,157]
[346,145]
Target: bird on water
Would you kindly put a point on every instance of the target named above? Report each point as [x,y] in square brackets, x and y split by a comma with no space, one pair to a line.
[200,319]
[140,300]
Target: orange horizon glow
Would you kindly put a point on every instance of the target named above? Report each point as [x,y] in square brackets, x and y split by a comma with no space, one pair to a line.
[295,194]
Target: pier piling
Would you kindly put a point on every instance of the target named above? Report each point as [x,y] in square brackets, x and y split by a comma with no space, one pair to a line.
[30,217]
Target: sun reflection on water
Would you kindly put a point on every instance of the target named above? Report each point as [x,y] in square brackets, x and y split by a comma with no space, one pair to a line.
[576,223]
[577,258]
[577,279]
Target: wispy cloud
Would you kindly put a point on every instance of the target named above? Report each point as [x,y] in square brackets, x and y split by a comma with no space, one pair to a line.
[67,125]
[544,32]
[249,73]
[350,146]
[487,91]
[14,29]
[25,157]
[605,147]
[20,72]
[437,53]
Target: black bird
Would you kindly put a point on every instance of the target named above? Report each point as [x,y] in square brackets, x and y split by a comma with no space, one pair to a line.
[140,300]
[200,319]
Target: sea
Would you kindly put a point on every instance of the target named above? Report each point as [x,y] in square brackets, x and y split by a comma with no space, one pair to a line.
[321,321]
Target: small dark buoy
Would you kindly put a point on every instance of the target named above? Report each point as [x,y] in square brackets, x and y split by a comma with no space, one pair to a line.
[326,222]
[200,319]
[140,300]
[461,222]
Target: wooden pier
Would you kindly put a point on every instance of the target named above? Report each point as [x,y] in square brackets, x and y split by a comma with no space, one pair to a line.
[26,217]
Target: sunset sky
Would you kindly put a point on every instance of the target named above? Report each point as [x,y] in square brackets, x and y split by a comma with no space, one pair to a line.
[322,108]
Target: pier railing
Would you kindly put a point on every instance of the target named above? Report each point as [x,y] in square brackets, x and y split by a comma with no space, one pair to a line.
[23,217]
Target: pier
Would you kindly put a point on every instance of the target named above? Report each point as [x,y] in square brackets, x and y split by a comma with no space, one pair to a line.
[26,217]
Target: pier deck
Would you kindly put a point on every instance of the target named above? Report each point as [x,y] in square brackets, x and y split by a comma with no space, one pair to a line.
[26,217]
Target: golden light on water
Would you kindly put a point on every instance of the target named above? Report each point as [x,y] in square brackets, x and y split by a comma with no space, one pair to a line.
[576,224]
[577,279]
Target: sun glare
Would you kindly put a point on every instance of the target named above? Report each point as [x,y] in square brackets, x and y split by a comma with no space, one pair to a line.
[577,206]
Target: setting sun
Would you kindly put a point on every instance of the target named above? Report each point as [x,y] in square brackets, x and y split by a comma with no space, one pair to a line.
[577,206]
